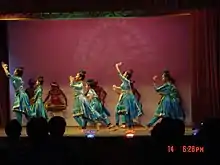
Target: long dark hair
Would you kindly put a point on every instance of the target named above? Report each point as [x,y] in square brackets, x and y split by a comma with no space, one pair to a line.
[92,83]
[129,73]
[19,71]
[82,74]
[40,79]
[168,76]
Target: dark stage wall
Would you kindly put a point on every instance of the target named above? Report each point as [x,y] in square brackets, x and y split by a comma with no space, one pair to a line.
[57,49]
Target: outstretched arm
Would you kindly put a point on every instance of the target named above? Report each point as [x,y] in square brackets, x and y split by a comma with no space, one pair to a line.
[124,79]
[5,68]
[117,67]
[160,89]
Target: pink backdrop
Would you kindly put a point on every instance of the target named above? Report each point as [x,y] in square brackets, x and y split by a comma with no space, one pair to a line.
[59,48]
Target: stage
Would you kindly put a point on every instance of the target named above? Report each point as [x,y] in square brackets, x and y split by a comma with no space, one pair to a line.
[103,132]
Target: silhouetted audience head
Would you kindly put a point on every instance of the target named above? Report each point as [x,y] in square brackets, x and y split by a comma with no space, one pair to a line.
[37,129]
[57,126]
[13,129]
[169,131]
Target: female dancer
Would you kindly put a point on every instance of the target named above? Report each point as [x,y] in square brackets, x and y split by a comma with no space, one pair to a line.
[81,108]
[127,103]
[169,104]
[122,117]
[21,103]
[38,106]
[56,100]
[96,105]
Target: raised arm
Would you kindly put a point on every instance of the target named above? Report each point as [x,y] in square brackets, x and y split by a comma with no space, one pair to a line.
[5,68]
[160,89]
[119,72]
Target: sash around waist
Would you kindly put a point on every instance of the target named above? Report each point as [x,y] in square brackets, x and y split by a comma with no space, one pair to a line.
[126,91]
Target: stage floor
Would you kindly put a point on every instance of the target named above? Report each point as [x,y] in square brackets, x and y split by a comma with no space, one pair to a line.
[103,132]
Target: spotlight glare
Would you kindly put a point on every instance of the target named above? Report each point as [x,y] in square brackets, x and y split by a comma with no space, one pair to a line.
[130,135]
[90,134]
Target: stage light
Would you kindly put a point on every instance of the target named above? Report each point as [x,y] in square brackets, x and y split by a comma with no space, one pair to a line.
[90,136]
[195,131]
[90,133]
[129,135]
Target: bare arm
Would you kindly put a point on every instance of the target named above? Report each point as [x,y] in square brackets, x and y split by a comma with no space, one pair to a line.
[71,79]
[123,79]
[117,67]
[5,68]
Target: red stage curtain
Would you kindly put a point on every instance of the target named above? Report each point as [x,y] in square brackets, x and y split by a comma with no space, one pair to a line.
[205,65]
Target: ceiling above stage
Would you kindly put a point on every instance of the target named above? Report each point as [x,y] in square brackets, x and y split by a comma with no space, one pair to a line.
[149,6]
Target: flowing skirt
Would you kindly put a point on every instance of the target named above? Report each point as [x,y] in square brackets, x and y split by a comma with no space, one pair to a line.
[128,104]
[38,109]
[82,108]
[171,108]
[99,109]
[21,104]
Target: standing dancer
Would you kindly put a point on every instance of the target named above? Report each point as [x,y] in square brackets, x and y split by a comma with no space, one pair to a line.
[169,104]
[21,103]
[38,106]
[96,105]
[127,103]
[81,108]
[122,117]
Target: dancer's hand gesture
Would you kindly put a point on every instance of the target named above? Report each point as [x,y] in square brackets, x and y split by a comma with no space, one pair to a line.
[114,87]
[71,78]
[155,78]
[4,66]
[118,64]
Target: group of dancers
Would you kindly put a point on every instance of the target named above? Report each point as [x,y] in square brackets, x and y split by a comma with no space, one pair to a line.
[88,108]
